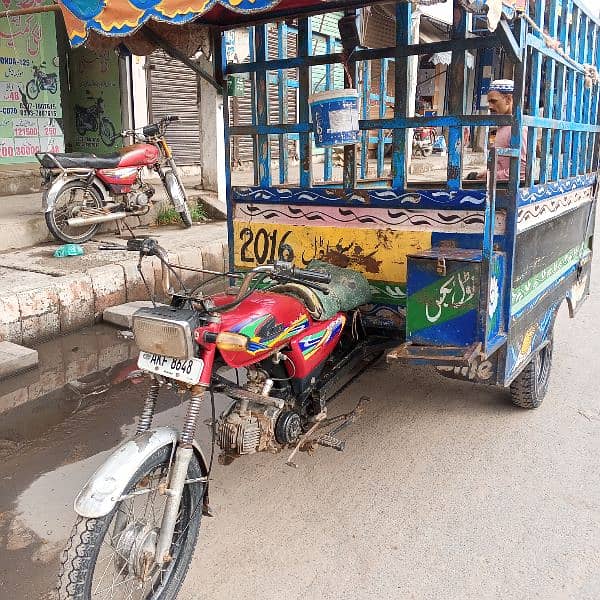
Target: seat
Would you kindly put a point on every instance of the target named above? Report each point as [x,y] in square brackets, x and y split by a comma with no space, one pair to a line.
[81,160]
[348,290]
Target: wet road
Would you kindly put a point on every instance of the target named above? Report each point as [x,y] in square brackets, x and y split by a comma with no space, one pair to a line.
[444,491]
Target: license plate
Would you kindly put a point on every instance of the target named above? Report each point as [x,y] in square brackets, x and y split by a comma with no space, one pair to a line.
[182,369]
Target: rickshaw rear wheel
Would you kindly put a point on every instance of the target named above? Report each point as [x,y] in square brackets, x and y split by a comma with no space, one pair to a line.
[530,386]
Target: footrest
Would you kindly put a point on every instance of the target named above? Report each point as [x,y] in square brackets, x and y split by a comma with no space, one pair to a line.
[434,355]
[332,442]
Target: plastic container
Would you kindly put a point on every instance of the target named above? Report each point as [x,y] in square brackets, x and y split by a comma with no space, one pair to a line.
[335,117]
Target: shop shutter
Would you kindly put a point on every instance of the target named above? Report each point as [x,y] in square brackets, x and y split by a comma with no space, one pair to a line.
[241,108]
[327,24]
[174,91]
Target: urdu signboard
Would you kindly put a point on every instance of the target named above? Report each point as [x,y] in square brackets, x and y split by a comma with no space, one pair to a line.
[30,106]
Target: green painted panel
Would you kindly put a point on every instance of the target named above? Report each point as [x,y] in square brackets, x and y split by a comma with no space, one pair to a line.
[388,292]
[443,300]
[534,286]
[95,101]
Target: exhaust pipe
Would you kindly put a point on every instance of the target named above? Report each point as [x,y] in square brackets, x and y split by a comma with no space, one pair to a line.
[82,221]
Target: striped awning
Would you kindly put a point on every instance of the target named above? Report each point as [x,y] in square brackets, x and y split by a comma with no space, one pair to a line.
[123,18]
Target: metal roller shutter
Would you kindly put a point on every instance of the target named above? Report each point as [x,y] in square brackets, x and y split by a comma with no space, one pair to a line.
[241,108]
[174,91]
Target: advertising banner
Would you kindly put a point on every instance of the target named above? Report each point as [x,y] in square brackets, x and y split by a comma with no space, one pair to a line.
[30,108]
[95,101]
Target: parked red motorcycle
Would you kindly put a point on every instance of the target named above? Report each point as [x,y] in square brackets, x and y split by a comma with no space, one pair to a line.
[423,141]
[298,343]
[81,190]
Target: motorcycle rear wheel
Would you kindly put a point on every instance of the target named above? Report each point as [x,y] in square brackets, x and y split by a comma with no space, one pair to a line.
[98,558]
[69,203]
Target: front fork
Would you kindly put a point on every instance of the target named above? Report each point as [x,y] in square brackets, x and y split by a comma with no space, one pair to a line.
[178,472]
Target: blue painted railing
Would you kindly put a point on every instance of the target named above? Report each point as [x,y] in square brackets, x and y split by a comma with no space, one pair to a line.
[551,102]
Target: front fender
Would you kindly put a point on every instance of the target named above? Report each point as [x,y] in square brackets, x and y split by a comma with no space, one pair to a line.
[51,194]
[104,488]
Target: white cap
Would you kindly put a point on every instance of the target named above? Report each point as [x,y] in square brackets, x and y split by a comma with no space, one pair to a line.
[503,86]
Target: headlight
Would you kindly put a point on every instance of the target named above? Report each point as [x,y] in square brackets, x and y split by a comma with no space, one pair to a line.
[166,331]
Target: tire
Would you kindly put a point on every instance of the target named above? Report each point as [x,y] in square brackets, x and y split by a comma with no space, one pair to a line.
[77,576]
[79,123]
[427,151]
[173,186]
[32,90]
[52,87]
[73,194]
[108,135]
[530,386]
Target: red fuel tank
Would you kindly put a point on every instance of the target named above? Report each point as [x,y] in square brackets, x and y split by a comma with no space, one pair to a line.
[138,155]
[269,320]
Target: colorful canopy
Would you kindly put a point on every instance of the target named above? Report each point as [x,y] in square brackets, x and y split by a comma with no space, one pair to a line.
[122,18]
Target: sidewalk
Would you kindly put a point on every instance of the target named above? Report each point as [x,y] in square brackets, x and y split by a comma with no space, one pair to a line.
[23,224]
[43,297]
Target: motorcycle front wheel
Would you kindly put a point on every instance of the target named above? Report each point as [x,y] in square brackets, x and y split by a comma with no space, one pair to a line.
[31,89]
[72,199]
[108,135]
[108,557]
[178,197]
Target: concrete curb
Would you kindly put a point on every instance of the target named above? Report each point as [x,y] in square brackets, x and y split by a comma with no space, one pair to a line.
[65,304]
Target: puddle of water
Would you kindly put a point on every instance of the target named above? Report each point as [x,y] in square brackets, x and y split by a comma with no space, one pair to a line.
[74,372]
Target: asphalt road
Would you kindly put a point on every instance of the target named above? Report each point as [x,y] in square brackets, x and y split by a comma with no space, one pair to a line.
[445,491]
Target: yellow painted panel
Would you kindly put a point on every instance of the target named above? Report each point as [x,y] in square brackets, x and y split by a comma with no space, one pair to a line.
[379,254]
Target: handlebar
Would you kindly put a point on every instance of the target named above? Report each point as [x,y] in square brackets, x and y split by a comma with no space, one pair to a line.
[309,275]
[281,270]
[152,129]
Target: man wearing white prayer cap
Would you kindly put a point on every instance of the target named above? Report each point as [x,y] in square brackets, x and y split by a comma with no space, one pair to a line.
[500,102]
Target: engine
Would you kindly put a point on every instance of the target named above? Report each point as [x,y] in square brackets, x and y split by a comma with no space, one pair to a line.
[141,197]
[255,425]
[250,430]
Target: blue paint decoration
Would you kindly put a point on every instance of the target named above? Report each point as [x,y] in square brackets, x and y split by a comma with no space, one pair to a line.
[385,198]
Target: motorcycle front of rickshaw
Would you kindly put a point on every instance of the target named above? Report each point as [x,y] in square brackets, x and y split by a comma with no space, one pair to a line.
[352,257]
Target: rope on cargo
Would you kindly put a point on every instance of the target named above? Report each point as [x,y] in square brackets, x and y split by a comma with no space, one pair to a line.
[590,72]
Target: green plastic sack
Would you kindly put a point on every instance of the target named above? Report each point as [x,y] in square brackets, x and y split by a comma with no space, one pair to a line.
[348,289]
[68,250]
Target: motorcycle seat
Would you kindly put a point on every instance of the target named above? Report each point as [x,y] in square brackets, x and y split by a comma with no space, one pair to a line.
[81,160]
[348,290]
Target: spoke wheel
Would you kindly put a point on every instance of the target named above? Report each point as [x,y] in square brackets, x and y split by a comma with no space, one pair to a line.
[107,132]
[32,89]
[178,198]
[73,199]
[111,558]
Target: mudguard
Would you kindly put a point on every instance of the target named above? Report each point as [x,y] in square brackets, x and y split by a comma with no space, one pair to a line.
[104,488]
[51,194]
[175,190]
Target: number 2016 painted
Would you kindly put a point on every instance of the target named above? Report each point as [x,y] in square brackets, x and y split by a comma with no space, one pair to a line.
[266,246]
